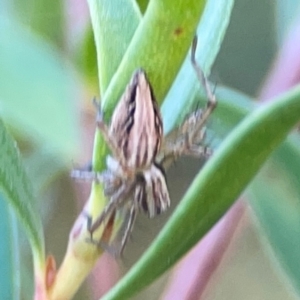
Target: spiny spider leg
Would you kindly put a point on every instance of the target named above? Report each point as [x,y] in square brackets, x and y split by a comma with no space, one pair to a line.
[117,253]
[186,140]
[212,102]
[116,199]
[89,221]
[105,131]
[128,230]
[101,244]
[89,175]
[199,151]
[111,182]
[129,227]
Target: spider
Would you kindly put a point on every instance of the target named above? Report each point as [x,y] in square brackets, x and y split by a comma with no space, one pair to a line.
[139,153]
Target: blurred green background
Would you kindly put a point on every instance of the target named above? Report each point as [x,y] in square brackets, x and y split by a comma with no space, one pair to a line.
[48,76]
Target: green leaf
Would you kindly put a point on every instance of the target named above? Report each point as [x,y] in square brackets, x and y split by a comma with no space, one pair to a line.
[160,42]
[86,59]
[113,34]
[37,90]
[214,190]
[40,15]
[17,191]
[183,94]
[9,255]
[143,5]
[278,208]
[287,12]
[114,25]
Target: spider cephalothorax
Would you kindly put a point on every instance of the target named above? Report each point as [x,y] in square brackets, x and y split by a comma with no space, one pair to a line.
[134,136]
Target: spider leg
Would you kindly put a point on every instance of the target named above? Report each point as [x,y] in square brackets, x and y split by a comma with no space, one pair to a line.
[111,181]
[187,139]
[116,200]
[211,99]
[102,243]
[89,175]
[129,227]
[105,131]
[199,151]
[156,198]
[128,230]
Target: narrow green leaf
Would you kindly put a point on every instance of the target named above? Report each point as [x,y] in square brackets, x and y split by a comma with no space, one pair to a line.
[215,188]
[160,43]
[143,5]
[183,94]
[86,59]
[277,210]
[9,255]
[114,24]
[17,191]
[113,34]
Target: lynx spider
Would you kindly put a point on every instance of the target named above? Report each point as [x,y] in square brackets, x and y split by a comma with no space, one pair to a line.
[139,152]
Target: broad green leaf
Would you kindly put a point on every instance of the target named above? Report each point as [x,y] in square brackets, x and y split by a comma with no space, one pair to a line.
[17,191]
[9,255]
[38,90]
[216,187]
